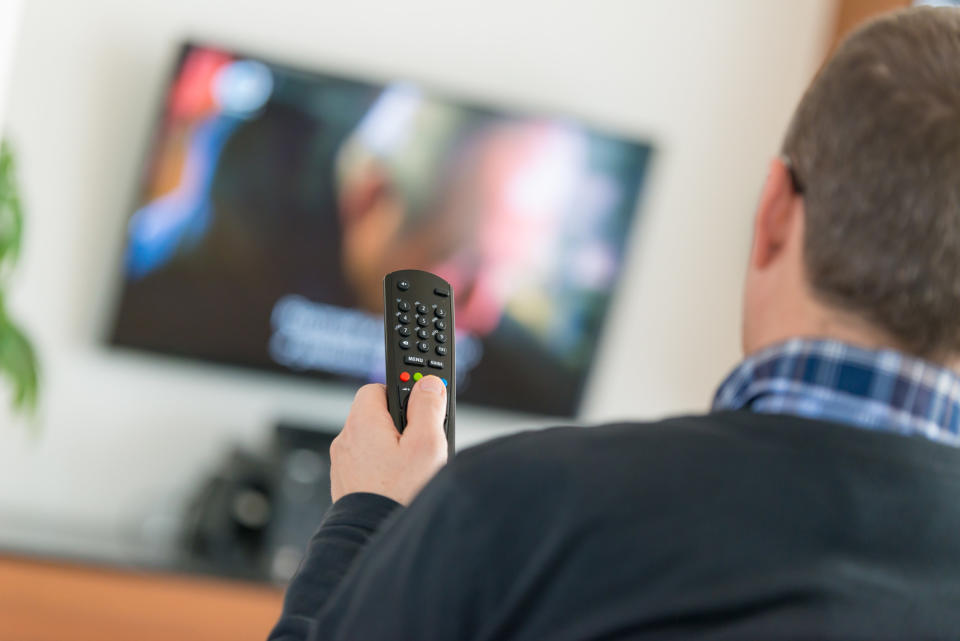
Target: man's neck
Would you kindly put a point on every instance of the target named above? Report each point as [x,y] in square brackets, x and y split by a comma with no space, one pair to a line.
[846,327]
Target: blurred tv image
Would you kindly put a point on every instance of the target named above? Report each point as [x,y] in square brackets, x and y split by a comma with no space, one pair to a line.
[274,200]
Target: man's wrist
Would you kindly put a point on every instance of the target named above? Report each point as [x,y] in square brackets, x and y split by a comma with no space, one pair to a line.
[364,510]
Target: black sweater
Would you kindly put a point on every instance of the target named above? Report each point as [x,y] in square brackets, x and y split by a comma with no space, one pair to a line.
[727,526]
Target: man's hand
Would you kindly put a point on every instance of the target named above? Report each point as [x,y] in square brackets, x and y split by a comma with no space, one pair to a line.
[370,455]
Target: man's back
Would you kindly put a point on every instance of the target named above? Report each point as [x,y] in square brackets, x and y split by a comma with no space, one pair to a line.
[732,525]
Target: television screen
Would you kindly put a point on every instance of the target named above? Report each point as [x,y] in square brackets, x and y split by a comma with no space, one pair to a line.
[273,201]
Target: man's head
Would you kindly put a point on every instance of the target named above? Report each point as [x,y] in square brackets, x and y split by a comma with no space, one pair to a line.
[857,233]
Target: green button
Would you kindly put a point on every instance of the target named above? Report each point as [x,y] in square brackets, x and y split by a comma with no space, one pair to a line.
[417,376]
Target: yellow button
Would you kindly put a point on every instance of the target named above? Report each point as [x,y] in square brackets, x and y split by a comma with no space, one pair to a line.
[417,376]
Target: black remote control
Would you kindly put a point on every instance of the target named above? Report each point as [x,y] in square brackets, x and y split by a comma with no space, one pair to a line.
[418,332]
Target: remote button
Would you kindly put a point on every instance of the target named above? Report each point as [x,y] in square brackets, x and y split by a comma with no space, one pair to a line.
[404,376]
[417,376]
[422,321]
[439,312]
[413,360]
[405,343]
[439,291]
[422,309]
[403,306]
[403,285]
[403,318]
[435,364]
[444,381]
[439,324]
[441,337]
[404,394]
[442,350]
[422,333]
[404,331]
[423,347]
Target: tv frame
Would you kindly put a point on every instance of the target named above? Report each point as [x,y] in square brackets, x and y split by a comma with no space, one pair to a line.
[117,275]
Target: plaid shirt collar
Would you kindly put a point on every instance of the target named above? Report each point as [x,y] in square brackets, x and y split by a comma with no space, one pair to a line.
[835,381]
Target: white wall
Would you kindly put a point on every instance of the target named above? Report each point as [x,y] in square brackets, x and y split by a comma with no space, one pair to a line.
[712,82]
[9,19]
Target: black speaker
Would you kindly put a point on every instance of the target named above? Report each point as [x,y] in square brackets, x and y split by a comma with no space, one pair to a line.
[253,517]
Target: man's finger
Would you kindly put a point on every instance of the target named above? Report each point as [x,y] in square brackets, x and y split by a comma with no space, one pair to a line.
[369,409]
[426,409]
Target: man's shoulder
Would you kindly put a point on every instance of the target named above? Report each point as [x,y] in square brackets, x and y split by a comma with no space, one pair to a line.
[566,461]
[560,443]
[679,454]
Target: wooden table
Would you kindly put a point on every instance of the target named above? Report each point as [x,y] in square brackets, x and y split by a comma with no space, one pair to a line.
[55,601]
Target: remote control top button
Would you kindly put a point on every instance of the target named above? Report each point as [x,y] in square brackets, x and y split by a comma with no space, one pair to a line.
[410,359]
[403,285]
[404,331]
[442,350]
[439,291]
[417,376]
[423,347]
[404,376]
[441,337]
[423,333]
[403,318]
[435,364]
[439,312]
[422,321]
[444,381]
[422,309]
[439,324]
[403,306]
[405,343]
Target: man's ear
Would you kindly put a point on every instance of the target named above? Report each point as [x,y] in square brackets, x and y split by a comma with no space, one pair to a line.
[362,193]
[772,224]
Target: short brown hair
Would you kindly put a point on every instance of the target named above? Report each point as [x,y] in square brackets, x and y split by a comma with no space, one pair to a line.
[875,144]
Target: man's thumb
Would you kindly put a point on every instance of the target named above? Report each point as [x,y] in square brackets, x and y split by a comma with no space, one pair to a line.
[426,408]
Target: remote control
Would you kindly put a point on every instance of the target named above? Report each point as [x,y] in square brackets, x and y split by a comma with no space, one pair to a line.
[418,332]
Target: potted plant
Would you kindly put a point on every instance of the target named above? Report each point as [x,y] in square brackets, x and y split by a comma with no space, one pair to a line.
[18,363]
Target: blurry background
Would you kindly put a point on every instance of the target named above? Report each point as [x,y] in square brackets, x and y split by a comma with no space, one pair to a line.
[124,443]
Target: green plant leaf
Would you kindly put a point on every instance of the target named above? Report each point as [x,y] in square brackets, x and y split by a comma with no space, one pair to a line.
[18,361]
[11,213]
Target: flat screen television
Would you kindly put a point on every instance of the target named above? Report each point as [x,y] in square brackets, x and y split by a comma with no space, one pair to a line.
[274,199]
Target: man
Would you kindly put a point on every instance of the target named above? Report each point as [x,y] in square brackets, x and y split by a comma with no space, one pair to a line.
[819,499]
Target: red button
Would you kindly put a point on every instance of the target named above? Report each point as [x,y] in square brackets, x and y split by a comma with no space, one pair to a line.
[404,376]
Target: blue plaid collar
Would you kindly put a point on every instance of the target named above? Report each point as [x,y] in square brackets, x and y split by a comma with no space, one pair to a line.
[835,381]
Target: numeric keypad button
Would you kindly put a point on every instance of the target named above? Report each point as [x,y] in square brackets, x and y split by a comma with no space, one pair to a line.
[422,309]
[422,321]
[403,331]
[403,306]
